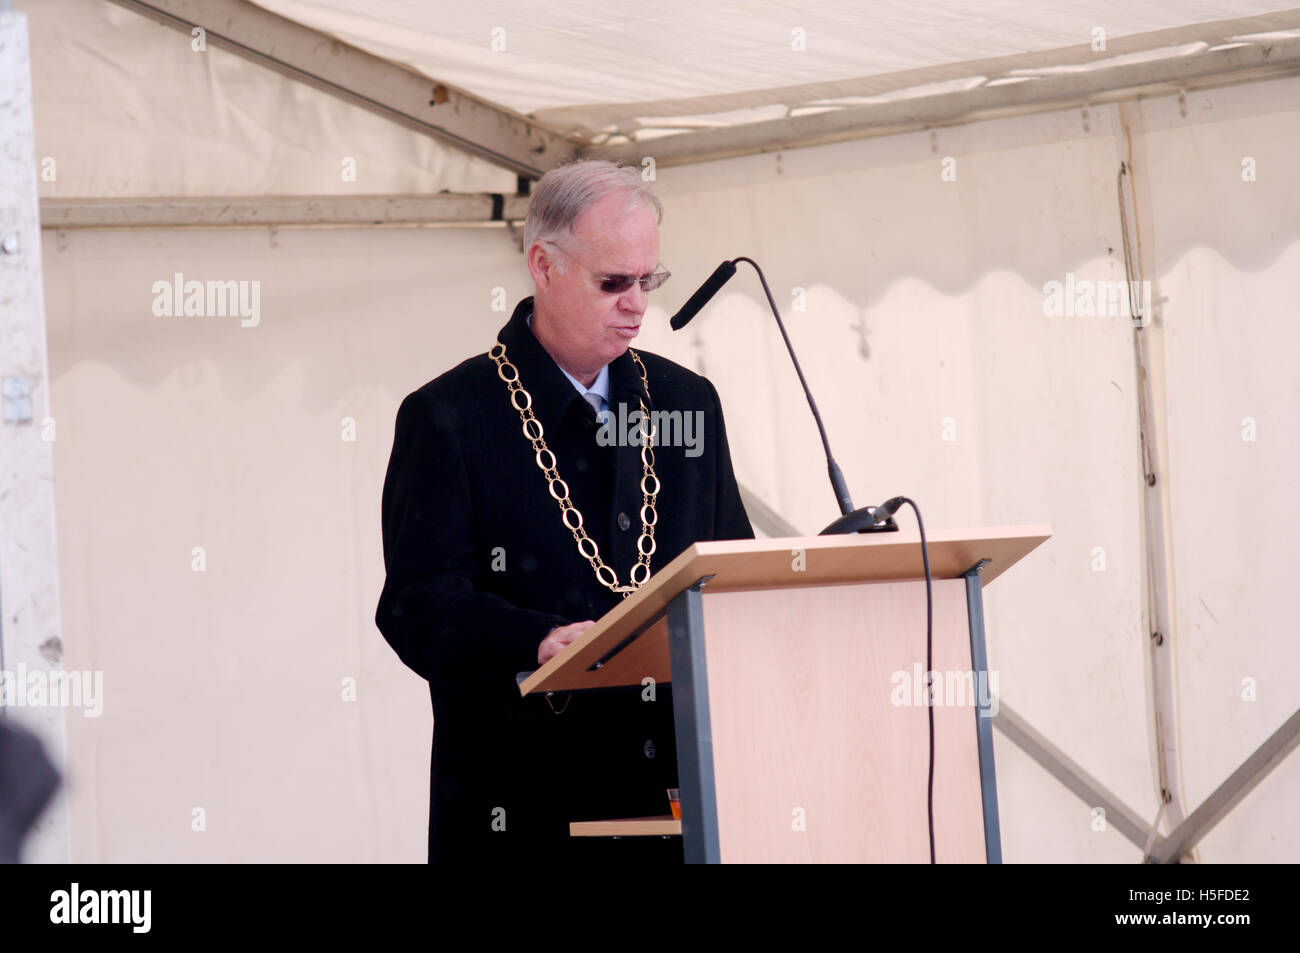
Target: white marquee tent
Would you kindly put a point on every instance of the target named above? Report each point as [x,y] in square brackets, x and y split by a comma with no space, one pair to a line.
[915,178]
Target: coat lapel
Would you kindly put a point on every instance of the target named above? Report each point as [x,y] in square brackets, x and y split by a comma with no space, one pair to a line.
[626,388]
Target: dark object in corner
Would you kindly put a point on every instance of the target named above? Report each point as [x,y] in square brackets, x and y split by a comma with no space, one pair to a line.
[27,782]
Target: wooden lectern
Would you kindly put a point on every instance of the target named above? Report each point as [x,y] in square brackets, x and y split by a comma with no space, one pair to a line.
[797,668]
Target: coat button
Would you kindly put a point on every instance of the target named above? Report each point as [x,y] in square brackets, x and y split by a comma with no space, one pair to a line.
[649,748]
[623,521]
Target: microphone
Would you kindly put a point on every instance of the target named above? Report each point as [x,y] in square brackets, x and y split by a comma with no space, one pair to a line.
[721,275]
[851,521]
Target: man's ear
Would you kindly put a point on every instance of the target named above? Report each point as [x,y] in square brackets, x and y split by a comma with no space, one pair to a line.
[541,265]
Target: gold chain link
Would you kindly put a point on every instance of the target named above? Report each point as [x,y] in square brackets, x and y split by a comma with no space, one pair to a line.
[522,402]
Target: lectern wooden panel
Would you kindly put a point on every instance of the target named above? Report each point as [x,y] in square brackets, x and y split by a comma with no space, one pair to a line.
[790,786]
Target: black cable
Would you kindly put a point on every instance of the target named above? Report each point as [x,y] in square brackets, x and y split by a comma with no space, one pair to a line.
[929,667]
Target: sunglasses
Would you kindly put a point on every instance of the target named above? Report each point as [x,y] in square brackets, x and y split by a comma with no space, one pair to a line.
[617,284]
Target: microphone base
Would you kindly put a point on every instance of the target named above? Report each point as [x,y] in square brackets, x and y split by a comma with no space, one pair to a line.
[860,521]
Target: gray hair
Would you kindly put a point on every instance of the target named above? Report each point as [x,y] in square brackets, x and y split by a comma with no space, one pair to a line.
[564,193]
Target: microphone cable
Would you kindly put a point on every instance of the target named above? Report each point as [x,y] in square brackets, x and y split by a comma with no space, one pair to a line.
[929,656]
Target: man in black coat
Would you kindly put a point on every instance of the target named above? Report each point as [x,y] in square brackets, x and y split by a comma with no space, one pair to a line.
[485,577]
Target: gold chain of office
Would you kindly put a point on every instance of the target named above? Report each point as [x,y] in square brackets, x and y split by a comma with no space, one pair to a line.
[522,401]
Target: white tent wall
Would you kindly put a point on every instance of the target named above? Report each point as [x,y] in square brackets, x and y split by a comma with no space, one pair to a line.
[1227,253]
[924,335]
[225,688]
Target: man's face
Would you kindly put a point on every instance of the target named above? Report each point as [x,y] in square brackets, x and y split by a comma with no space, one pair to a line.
[617,235]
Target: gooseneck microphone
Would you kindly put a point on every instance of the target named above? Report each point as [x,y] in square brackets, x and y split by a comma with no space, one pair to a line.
[851,520]
[721,275]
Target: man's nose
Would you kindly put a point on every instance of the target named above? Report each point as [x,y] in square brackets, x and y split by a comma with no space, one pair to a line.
[634,299]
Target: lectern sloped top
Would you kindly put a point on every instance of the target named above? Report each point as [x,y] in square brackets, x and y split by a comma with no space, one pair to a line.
[620,646]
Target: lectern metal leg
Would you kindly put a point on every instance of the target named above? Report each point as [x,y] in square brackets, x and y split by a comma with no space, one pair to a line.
[694,733]
[983,712]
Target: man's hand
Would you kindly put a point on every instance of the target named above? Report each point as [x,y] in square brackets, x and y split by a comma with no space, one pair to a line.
[559,638]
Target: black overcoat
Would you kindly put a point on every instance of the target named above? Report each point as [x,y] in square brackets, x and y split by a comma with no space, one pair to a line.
[480,568]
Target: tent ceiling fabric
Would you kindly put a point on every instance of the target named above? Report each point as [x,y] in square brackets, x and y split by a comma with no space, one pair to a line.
[641,70]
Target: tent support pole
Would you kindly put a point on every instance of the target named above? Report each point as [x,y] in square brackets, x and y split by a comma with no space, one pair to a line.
[1230,793]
